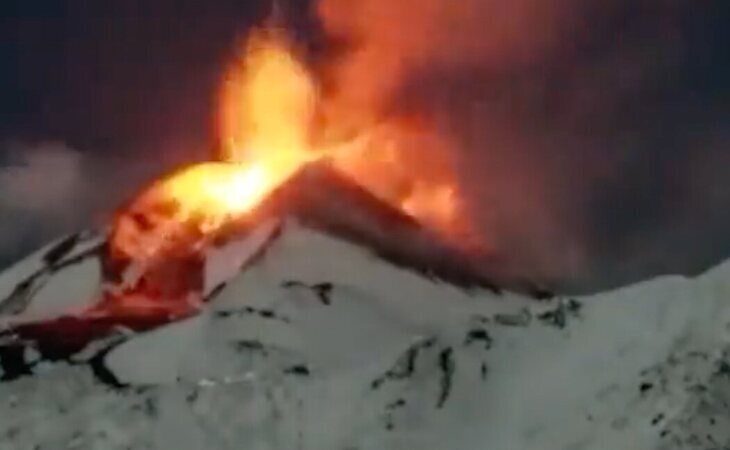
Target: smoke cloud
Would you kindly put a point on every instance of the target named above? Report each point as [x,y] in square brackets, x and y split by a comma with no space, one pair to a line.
[575,128]
[588,138]
[41,187]
[48,189]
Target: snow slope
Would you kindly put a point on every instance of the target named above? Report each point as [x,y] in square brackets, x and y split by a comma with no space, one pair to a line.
[322,344]
[35,278]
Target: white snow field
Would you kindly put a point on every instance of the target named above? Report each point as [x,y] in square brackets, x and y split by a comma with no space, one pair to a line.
[309,341]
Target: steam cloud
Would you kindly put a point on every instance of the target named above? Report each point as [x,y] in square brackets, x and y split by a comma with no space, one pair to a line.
[49,189]
[576,127]
[41,187]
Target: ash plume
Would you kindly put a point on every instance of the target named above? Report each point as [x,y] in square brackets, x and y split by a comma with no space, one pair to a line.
[575,129]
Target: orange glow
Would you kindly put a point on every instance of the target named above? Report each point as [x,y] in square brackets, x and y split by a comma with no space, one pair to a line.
[267,105]
[191,204]
[266,122]
[431,203]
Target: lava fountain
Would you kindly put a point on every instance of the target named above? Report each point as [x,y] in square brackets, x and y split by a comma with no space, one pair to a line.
[268,105]
[268,110]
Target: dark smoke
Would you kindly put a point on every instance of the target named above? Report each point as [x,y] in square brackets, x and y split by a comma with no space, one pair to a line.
[590,137]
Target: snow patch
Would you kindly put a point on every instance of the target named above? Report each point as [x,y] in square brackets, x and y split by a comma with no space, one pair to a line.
[77,288]
[323,346]
[224,262]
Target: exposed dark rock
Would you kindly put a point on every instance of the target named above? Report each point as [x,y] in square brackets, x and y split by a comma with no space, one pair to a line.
[13,363]
[101,372]
[299,370]
[479,335]
[215,292]
[406,364]
[95,251]
[658,418]
[323,291]
[62,340]
[723,369]
[574,307]
[390,408]
[250,311]
[540,293]
[192,396]
[396,404]
[447,364]
[58,251]
[17,301]
[558,317]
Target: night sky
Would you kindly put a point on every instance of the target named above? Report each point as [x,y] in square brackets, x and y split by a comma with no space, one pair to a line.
[595,141]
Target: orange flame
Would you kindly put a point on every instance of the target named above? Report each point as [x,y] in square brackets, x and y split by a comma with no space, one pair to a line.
[267,110]
[267,104]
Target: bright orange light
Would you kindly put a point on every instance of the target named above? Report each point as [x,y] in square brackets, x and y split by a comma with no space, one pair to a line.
[267,105]
[267,109]
[432,203]
[217,191]
[191,204]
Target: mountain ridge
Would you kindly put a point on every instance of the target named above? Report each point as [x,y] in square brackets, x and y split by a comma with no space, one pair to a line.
[311,341]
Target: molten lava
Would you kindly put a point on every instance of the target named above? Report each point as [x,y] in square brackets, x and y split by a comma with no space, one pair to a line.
[268,104]
[154,266]
[268,101]
[273,120]
[267,115]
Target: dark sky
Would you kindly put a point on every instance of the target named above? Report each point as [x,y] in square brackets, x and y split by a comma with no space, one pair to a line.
[114,92]
[614,142]
[114,73]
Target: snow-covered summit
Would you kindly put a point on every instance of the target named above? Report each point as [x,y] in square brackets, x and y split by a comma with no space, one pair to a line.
[309,338]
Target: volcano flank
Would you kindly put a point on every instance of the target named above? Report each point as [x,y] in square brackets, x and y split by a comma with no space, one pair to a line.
[194,265]
[326,300]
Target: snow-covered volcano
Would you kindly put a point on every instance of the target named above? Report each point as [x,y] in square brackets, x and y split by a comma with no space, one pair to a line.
[333,322]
